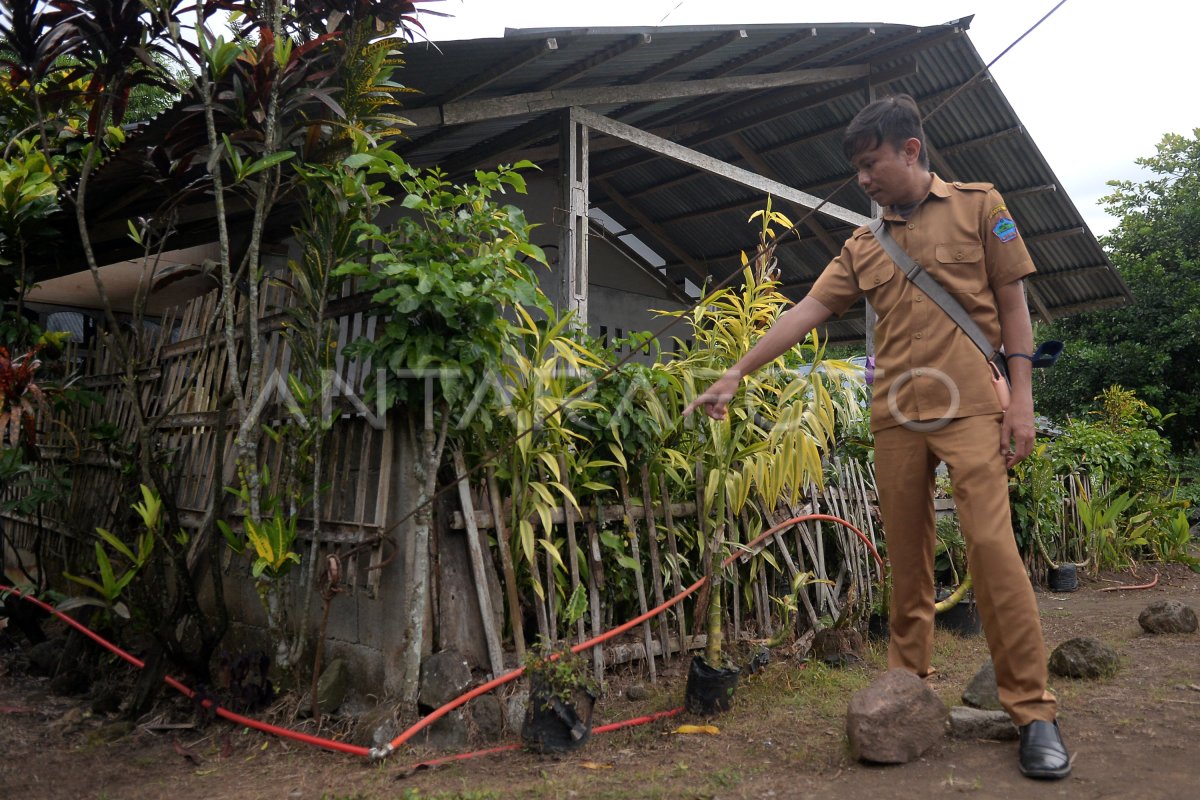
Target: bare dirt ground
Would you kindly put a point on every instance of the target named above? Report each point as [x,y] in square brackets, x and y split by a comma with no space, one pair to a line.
[1133,735]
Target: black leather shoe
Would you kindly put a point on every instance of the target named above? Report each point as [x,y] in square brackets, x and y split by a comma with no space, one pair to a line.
[1042,753]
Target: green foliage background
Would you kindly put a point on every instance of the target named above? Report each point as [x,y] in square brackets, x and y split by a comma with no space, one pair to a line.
[1149,346]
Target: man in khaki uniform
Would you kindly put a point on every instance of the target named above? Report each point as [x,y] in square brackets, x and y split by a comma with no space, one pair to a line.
[934,401]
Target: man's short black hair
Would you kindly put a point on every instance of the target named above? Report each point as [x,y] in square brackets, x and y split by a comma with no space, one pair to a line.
[894,120]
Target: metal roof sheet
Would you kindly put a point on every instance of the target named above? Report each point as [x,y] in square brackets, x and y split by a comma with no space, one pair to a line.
[795,131]
[791,134]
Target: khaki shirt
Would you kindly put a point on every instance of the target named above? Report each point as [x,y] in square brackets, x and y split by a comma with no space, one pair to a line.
[926,367]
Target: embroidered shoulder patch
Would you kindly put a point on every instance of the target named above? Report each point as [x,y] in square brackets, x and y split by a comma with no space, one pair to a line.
[1005,229]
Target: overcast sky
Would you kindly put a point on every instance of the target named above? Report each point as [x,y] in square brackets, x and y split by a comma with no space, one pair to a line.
[1096,86]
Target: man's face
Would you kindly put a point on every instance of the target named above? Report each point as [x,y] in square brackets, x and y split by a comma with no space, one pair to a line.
[890,175]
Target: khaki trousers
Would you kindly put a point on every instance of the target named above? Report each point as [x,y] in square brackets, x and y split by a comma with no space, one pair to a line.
[905,461]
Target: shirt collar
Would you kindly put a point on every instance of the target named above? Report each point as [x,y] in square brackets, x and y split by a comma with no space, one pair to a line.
[937,188]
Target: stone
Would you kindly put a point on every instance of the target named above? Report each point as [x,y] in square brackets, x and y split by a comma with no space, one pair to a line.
[894,720]
[376,726]
[44,657]
[71,682]
[1167,616]
[110,733]
[981,691]
[1084,657]
[332,686]
[487,713]
[448,732]
[444,677]
[637,692]
[979,723]
[837,646]
[106,699]
[514,708]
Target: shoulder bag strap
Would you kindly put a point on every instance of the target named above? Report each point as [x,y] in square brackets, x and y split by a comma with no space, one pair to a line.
[927,283]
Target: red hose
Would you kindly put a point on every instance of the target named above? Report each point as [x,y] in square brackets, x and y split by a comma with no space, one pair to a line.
[1149,585]
[505,748]
[590,643]
[329,744]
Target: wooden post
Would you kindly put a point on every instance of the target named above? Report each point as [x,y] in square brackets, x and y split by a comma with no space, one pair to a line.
[495,652]
[639,581]
[573,243]
[510,572]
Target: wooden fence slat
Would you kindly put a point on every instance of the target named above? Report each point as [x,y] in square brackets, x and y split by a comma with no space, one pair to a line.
[639,581]
[655,565]
[572,544]
[482,592]
[673,547]
[508,568]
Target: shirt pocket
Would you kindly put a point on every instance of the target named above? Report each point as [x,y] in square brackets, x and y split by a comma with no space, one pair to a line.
[959,267]
[875,275]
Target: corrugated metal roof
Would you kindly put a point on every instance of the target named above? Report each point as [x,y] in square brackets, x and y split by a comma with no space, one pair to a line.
[794,132]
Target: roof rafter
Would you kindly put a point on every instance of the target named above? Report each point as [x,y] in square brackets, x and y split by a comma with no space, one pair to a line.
[466,111]
[665,239]
[743,177]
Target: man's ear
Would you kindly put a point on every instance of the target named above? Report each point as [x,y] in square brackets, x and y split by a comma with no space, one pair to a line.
[912,150]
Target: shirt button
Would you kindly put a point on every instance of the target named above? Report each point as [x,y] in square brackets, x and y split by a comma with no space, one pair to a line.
[912,226]
[919,373]
[918,334]
[919,298]
[877,281]
[958,256]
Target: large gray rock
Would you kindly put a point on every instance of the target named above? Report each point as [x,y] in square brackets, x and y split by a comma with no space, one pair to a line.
[981,692]
[978,723]
[895,719]
[1167,616]
[448,732]
[487,713]
[1084,657]
[332,686]
[514,708]
[444,676]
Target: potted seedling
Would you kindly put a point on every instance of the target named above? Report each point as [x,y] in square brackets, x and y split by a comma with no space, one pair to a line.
[879,617]
[562,692]
[955,603]
[769,444]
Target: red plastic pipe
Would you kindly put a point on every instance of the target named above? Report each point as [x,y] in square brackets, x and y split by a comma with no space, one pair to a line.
[328,744]
[421,724]
[376,753]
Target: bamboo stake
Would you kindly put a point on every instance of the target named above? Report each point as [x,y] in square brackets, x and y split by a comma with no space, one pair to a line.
[506,562]
[639,581]
[655,567]
[495,653]
[572,545]
[673,547]
[595,581]
[551,592]
[793,571]
[733,536]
